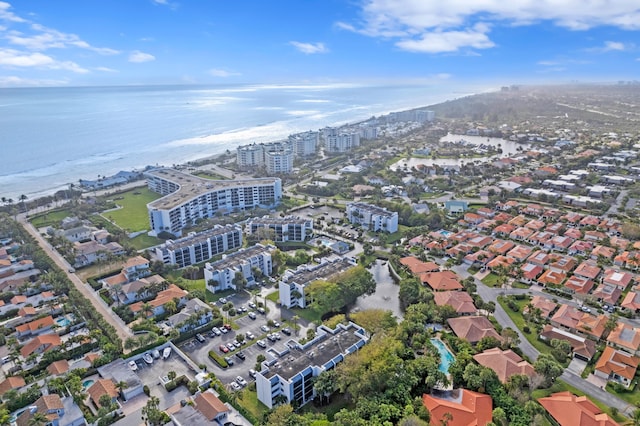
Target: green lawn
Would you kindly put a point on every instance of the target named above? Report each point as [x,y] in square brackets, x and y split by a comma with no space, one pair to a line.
[310,314]
[519,321]
[191,285]
[133,216]
[560,386]
[632,397]
[250,402]
[144,241]
[274,296]
[51,218]
[209,175]
[491,280]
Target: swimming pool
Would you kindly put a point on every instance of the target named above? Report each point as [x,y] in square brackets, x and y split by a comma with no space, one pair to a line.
[87,383]
[63,322]
[446,357]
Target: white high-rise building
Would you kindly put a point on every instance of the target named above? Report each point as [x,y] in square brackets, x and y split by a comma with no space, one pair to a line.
[305,144]
[372,217]
[250,155]
[342,143]
[278,159]
[221,275]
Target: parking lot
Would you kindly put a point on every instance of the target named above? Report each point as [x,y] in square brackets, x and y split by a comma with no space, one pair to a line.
[199,352]
[150,374]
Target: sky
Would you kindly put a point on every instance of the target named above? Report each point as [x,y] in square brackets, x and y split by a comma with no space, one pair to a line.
[132,42]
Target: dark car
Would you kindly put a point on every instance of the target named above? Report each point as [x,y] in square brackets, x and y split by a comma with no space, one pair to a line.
[286,331]
[241,355]
[229,360]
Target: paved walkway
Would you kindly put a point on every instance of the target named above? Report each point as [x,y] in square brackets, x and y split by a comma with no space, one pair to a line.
[491,294]
[123,331]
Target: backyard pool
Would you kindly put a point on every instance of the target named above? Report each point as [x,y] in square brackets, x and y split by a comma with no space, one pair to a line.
[63,322]
[87,383]
[446,357]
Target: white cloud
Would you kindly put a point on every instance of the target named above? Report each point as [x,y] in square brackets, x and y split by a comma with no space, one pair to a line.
[14,58]
[614,45]
[48,38]
[217,72]
[447,24]
[6,15]
[309,48]
[139,57]
[106,69]
[610,46]
[14,81]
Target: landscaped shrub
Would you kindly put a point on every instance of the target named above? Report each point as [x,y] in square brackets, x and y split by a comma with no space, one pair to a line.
[218,359]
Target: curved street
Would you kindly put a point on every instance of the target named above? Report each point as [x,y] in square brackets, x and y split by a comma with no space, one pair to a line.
[123,331]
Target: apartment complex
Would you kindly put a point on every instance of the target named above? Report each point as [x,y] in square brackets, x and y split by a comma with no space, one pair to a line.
[289,228]
[275,157]
[372,217]
[304,144]
[188,198]
[341,142]
[293,283]
[292,371]
[220,275]
[201,246]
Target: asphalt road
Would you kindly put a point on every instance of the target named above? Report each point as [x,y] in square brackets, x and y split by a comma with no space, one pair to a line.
[491,294]
[123,331]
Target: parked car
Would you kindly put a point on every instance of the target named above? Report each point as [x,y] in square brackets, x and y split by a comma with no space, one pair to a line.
[200,338]
[229,360]
[235,386]
[224,349]
[286,331]
[261,310]
[585,309]
[252,315]
[222,300]
[241,381]
[261,343]
[250,335]
[252,305]
[231,346]
[272,337]
[277,336]
[252,373]
[241,355]
[276,324]
[223,330]
[264,328]
[216,330]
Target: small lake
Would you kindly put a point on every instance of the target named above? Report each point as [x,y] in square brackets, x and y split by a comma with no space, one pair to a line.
[386,295]
[508,147]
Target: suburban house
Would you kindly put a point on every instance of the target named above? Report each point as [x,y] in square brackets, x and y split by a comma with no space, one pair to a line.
[158,304]
[473,328]
[458,300]
[504,363]
[441,281]
[568,409]
[59,412]
[195,313]
[464,406]
[625,337]
[617,366]
[581,347]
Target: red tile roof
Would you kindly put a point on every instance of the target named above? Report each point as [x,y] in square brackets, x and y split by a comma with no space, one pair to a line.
[467,408]
[571,410]
[441,281]
[617,362]
[458,300]
[504,363]
[473,328]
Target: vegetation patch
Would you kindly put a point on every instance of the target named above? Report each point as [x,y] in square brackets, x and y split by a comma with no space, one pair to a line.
[133,215]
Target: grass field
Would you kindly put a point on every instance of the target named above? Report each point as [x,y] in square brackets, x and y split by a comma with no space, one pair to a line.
[144,241]
[51,218]
[491,280]
[632,397]
[250,402]
[209,175]
[133,215]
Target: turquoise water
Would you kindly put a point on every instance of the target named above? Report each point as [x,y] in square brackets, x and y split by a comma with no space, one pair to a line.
[446,357]
[63,322]
[87,383]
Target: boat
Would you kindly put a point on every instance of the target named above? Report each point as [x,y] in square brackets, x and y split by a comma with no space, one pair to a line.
[166,352]
[148,358]
[133,366]
[156,354]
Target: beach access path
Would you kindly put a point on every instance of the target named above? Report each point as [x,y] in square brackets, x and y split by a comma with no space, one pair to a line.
[123,331]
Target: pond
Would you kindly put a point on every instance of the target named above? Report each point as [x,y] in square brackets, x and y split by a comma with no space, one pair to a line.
[386,294]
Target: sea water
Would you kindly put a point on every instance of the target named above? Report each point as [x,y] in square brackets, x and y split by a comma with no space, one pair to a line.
[51,137]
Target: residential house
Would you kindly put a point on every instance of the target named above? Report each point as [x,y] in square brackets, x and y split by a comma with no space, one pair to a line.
[158,304]
[581,347]
[535,224]
[462,406]
[540,258]
[211,407]
[607,294]
[530,273]
[551,278]
[458,300]
[574,233]
[441,281]
[568,409]
[102,387]
[500,246]
[417,267]
[562,264]
[617,278]
[57,368]
[592,325]
[567,317]
[195,313]
[546,306]
[559,243]
[503,230]
[602,252]
[58,411]
[631,302]
[579,285]
[11,383]
[587,270]
[473,328]
[617,366]
[119,371]
[521,234]
[625,337]
[580,248]
[520,253]
[504,363]
[35,327]
[40,344]
[137,290]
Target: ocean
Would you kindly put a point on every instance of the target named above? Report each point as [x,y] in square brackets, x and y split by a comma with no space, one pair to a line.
[51,137]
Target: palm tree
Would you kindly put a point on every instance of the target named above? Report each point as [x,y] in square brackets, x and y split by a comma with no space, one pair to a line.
[23,198]
[38,419]
[121,385]
[635,419]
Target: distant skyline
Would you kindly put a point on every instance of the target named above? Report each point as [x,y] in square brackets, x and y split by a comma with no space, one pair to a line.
[490,42]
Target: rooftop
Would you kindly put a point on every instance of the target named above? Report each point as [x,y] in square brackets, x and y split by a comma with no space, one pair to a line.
[191,186]
[308,273]
[230,261]
[195,238]
[371,208]
[268,220]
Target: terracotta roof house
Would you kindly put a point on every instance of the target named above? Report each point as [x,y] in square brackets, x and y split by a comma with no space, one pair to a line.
[574,233]
[520,253]
[172,292]
[18,299]
[594,235]
[545,305]
[530,272]
[592,325]
[619,242]
[587,269]
[502,217]
[481,241]
[503,230]
[616,366]
[631,302]
[568,409]
[27,311]
[559,243]
[579,285]
[567,316]
[473,328]
[518,221]
[58,367]
[52,407]
[580,248]
[500,246]
[532,209]
[521,234]
[486,212]
[581,347]
[590,221]
[499,261]
[563,264]
[540,238]
[210,406]
[607,293]
[473,218]
[458,300]
[467,408]
[535,224]
[441,281]
[539,258]
[479,258]
[617,278]
[40,344]
[555,228]
[35,327]
[11,382]
[602,251]
[625,337]
[416,266]
[102,387]
[504,363]
[552,278]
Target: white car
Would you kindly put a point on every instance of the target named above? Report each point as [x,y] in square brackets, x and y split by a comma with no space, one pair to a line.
[133,366]
[241,381]
[261,343]
[235,386]
[264,328]
[250,335]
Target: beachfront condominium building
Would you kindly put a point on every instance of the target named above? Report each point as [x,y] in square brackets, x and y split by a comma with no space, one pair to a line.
[200,246]
[293,283]
[304,144]
[275,157]
[342,142]
[419,116]
[290,374]
[372,217]
[221,275]
[281,229]
[188,198]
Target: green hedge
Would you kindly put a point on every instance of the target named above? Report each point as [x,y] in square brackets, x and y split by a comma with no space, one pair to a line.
[218,359]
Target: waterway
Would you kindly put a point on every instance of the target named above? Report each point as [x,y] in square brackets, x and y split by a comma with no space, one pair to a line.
[387,292]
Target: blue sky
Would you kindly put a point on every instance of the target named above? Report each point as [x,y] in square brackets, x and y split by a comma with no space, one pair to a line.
[121,42]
